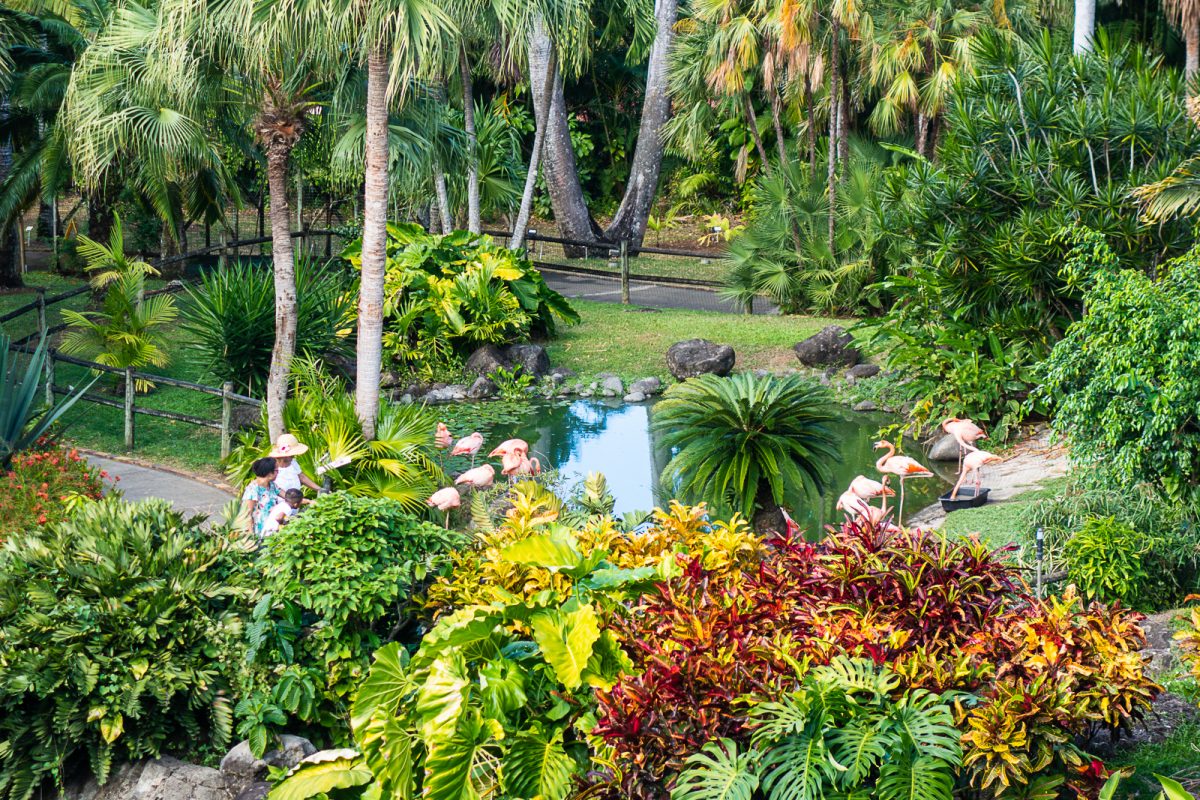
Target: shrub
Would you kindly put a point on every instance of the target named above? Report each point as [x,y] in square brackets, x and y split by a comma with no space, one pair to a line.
[746,443]
[230,318]
[446,295]
[1105,560]
[21,422]
[338,579]
[945,616]
[120,636]
[43,484]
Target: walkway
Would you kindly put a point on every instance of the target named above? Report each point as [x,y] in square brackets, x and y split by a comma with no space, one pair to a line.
[651,294]
[188,495]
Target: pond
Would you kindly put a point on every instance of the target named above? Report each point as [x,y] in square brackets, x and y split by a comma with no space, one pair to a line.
[616,439]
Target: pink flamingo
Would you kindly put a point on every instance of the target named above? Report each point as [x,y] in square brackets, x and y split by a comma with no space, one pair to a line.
[479,477]
[515,463]
[902,467]
[792,528]
[468,446]
[442,437]
[510,446]
[966,433]
[974,462]
[868,489]
[444,500]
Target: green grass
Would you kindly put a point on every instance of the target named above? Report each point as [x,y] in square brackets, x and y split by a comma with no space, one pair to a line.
[632,343]
[1000,524]
[1178,757]
[54,284]
[653,264]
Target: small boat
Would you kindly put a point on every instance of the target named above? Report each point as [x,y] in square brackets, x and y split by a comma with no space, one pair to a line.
[967,498]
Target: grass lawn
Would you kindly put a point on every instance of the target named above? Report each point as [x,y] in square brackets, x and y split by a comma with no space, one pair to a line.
[12,299]
[1178,757]
[632,342]
[654,264]
[1000,524]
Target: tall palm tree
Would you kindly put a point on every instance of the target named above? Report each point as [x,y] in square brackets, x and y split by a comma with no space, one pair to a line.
[1185,14]
[1085,26]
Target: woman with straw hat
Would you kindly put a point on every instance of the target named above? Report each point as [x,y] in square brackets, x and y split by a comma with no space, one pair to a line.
[290,476]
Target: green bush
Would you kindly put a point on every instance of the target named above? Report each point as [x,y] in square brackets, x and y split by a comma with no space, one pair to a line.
[446,295]
[230,318]
[1105,560]
[339,578]
[120,638]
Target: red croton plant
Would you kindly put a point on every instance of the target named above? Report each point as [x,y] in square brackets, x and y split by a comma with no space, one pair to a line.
[1039,677]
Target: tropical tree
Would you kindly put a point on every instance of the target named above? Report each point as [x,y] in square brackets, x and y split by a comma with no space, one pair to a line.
[746,443]
[1185,15]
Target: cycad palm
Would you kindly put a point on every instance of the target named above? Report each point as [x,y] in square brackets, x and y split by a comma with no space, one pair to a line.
[746,443]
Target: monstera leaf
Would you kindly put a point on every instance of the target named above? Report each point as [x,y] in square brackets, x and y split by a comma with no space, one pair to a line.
[718,772]
[537,765]
[566,639]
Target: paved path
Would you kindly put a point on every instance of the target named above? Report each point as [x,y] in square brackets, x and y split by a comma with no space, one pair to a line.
[645,293]
[186,494]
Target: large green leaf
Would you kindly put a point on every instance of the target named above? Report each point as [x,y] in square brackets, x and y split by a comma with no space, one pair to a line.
[554,551]
[718,772]
[442,698]
[385,684]
[459,766]
[537,766]
[317,775]
[566,640]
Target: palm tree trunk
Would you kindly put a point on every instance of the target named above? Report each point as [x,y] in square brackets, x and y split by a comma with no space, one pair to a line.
[283,261]
[541,113]
[1085,25]
[844,125]
[474,215]
[922,133]
[777,123]
[831,177]
[812,130]
[10,267]
[629,223]
[752,118]
[443,199]
[374,247]
[1191,40]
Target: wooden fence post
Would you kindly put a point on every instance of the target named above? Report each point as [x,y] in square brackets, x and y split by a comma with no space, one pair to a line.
[625,272]
[226,419]
[129,391]
[41,312]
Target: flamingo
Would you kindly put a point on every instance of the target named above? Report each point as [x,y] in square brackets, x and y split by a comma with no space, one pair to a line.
[515,463]
[468,446]
[444,500]
[902,467]
[442,438]
[792,528]
[479,477]
[868,489]
[974,462]
[510,446]
[966,433]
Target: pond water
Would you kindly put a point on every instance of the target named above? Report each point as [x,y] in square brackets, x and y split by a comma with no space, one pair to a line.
[615,438]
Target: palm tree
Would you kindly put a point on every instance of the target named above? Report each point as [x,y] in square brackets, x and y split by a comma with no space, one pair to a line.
[1085,26]
[1185,14]
[746,443]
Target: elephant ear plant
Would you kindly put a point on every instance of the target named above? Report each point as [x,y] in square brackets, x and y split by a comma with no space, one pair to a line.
[22,422]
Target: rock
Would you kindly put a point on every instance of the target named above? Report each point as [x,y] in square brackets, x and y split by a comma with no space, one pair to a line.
[695,357]
[532,358]
[481,389]
[823,379]
[647,386]
[255,791]
[762,373]
[586,393]
[860,371]
[163,778]
[241,768]
[831,346]
[866,405]
[486,360]
[245,417]
[635,397]
[446,394]
[612,387]
[944,449]
[343,365]
[390,379]
[406,399]
[562,373]
[555,380]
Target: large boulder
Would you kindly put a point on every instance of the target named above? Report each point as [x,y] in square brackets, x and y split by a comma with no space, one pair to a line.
[611,386]
[832,346]
[163,778]
[646,386]
[532,359]
[481,389]
[695,357]
[241,767]
[486,360]
[860,371]
[944,448]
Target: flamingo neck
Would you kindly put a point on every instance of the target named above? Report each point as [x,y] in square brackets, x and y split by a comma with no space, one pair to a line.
[891,451]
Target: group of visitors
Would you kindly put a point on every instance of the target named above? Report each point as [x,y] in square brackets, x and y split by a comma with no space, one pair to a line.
[276,493]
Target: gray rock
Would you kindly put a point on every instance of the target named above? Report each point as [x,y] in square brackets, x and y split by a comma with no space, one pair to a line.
[945,448]
[866,405]
[695,357]
[824,379]
[555,380]
[239,764]
[486,360]
[635,397]
[406,398]
[612,387]
[762,373]
[831,346]
[390,379]
[163,778]
[446,394]
[245,417]
[532,358]
[859,371]
[481,389]
[647,386]
[563,372]
[586,393]
[255,791]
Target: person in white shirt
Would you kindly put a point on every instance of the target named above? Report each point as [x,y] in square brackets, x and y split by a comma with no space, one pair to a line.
[283,511]
[290,476]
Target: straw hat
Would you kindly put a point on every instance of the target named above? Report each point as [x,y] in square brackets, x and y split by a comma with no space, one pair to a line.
[287,445]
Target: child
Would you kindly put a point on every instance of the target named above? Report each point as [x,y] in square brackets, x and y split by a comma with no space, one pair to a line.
[284,510]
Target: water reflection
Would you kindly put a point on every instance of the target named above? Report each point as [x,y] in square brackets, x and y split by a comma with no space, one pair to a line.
[614,438]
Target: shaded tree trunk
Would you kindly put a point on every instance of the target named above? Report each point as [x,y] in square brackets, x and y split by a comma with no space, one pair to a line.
[767,516]
[369,350]
[922,133]
[1191,41]
[752,118]
[10,265]
[831,176]
[844,125]
[812,130]
[101,199]
[474,215]
[629,223]
[562,177]
[283,261]
[1085,25]
[443,200]
[777,123]
[548,70]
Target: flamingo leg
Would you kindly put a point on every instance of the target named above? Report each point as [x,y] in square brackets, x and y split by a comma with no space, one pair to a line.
[447,519]
[900,518]
[883,498]
[954,492]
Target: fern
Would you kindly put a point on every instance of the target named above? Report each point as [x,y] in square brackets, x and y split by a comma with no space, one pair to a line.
[718,772]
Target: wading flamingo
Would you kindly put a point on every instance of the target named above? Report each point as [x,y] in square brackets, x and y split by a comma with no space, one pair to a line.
[974,462]
[442,437]
[902,467]
[444,500]
[966,433]
[515,463]
[510,446]
[479,477]
[868,489]
[468,446]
